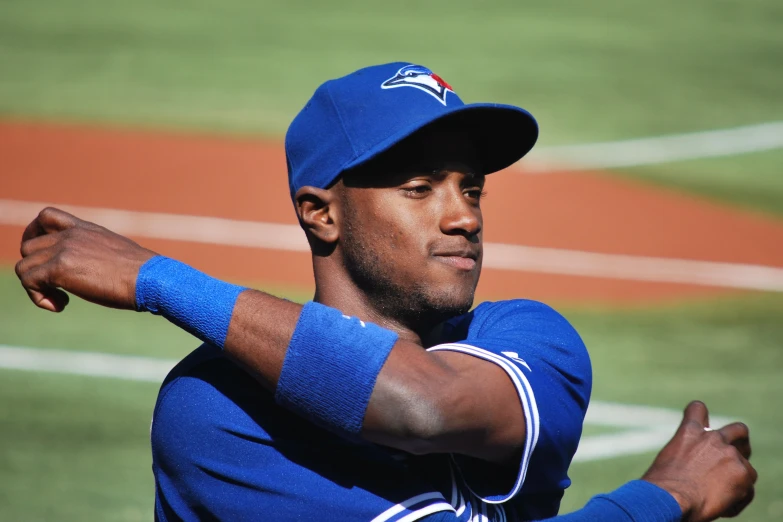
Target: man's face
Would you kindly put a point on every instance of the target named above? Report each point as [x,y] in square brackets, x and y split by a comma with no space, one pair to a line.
[411,227]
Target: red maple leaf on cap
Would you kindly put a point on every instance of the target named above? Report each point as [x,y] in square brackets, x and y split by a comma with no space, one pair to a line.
[441,81]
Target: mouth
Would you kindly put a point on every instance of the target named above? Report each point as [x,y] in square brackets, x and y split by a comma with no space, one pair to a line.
[460,259]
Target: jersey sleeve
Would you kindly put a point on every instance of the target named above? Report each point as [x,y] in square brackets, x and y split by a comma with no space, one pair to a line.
[548,364]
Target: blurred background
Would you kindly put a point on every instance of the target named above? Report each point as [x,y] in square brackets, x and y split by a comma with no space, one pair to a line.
[650,213]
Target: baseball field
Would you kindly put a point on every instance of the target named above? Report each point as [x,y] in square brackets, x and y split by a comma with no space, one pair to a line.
[164,120]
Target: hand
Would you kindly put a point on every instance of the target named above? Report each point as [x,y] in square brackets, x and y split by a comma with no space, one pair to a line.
[707,472]
[61,251]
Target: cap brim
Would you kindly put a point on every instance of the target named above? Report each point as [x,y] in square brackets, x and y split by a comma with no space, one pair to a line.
[503,134]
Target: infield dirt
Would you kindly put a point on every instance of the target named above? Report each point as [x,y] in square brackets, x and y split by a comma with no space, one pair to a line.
[243,178]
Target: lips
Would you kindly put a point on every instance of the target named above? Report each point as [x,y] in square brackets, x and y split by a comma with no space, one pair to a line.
[462,259]
[462,263]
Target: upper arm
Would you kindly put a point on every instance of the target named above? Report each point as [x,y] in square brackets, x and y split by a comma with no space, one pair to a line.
[555,381]
[514,389]
[443,402]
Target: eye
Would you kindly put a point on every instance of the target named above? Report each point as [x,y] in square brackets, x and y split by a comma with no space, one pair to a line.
[417,190]
[476,193]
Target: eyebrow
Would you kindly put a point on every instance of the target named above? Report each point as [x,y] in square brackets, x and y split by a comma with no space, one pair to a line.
[470,175]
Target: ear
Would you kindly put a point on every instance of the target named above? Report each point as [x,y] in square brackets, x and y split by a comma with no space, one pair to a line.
[317,210]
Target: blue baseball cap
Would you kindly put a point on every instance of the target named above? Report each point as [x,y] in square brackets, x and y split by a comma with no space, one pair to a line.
[351,120]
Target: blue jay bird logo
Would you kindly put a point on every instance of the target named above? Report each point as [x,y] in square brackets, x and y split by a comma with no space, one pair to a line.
[420,78]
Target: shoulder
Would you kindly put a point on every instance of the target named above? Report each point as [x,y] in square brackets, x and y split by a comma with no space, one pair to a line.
[201,397]
[520,325]
[526,322]
[205,377]
[531,334]
[547,362]
[517,313]
[208,402]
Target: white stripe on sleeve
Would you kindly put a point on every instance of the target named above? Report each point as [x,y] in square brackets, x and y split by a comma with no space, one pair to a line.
[526,398]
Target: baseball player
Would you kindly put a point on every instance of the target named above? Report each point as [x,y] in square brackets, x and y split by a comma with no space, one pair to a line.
[385,398]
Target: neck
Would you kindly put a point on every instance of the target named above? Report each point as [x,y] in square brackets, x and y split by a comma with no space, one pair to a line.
[336,289]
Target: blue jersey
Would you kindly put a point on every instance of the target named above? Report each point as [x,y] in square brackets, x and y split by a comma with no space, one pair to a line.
[224,450]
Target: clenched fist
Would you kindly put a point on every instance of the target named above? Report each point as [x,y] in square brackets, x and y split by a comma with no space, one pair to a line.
[62,252]
[707,471]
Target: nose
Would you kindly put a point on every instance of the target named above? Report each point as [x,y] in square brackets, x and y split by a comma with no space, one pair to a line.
[460,215]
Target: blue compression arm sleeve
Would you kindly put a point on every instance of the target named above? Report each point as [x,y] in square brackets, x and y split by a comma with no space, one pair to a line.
[192,300]
[636,501]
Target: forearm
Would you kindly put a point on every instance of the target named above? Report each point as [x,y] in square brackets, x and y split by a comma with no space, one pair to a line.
[253,328]
[259,333]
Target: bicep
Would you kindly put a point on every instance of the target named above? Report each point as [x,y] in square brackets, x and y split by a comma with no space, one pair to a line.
[445,402]
[483,407]
[552,398]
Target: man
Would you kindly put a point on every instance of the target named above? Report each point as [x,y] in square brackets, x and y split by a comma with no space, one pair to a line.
[385,398]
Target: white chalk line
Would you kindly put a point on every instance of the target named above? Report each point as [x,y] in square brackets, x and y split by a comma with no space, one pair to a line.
[644,428]
[92,364]
[651,151]
[500,256]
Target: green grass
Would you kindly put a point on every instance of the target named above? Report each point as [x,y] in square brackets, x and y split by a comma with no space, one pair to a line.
[754,181]
[589,71]
[77,448]
[82,326]
[596,70]
[726,353]
[85,327]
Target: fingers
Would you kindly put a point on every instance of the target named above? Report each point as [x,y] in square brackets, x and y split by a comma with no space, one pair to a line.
[53,300]
[36,244]
[35,274]
[738,435]
[38,238]
[737,508]
[54,220]
[696,412]
[753,474]
[32,230]
[734,431]
[49,220]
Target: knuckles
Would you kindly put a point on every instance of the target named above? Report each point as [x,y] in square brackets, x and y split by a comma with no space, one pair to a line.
[47,214]
[743,430]
[18,268]
[48,211]
[52,214]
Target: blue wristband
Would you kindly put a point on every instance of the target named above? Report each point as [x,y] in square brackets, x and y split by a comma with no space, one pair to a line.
[642,501]
[330,368]
[192,300]
[636,501]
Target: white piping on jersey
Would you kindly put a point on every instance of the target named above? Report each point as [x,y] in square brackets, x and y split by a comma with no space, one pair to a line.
[479,511]
[515,356]
[502,513]
[439,504]
[482,517]
[423,512]
[459,502]
[527,398]
[457,499]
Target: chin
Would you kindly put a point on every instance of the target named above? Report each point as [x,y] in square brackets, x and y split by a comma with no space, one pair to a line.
[455,301]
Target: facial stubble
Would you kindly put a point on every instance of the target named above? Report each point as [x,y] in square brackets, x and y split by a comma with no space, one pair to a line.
[417,303]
